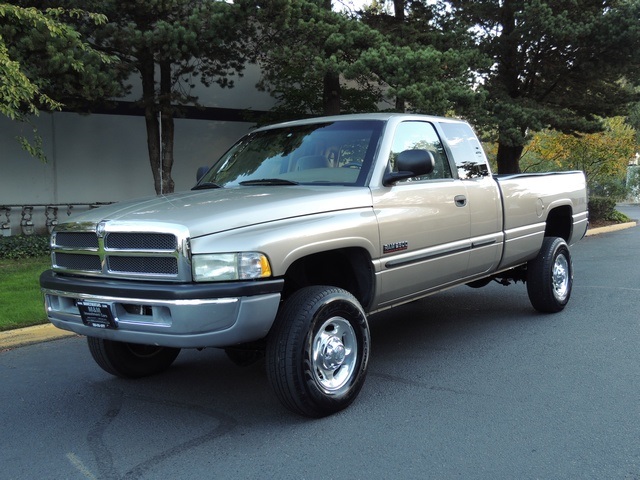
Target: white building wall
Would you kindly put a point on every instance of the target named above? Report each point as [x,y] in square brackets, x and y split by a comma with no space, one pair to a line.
[97,159]
[104,158]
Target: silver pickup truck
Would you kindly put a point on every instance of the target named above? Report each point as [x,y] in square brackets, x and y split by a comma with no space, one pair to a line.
[295,236]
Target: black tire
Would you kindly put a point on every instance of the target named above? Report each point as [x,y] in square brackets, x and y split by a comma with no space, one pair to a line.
[130,360]
[318,351]
[550,276]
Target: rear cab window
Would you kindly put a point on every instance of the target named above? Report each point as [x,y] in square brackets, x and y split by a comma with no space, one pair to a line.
[469,157]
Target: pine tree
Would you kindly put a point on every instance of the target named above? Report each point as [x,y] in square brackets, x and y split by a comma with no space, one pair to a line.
[46,64]
[556,64]
[311,59]
[169,45]
[428,59]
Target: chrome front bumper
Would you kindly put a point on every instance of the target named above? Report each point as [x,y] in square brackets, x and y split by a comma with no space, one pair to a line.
[178,315]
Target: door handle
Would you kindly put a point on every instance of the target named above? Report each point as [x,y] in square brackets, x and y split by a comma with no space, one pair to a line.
[460,200]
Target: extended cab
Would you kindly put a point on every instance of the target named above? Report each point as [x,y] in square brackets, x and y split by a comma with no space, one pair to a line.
[295,236]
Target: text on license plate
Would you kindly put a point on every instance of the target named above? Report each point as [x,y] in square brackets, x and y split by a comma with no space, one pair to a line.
[96,314]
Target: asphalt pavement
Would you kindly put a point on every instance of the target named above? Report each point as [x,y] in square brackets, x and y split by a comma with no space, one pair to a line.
[468,383]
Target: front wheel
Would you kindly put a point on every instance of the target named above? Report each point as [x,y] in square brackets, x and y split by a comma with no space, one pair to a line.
[130,360]
[318,351]
[550,276]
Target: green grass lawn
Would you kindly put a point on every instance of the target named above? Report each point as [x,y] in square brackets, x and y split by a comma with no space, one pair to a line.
[21,302]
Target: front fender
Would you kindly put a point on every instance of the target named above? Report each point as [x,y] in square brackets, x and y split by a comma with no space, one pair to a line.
[285,241]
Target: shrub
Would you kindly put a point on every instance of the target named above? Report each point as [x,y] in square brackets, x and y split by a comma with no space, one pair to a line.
[24,246]
[600,208]
[618,217]
[610,187]
[604,209]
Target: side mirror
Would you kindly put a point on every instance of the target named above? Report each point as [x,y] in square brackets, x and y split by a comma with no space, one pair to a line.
[201,173]
[410,163]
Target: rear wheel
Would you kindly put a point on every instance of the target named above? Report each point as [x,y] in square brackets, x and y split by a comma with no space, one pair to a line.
[130,360]
[318,351]
[550,276]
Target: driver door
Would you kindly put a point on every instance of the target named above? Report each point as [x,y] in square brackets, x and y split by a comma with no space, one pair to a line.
[424,222]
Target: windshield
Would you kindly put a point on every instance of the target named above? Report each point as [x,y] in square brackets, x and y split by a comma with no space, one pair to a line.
[335,153]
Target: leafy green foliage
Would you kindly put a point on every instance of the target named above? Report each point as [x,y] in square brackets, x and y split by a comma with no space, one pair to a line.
[603,209]
[427,58]
[45,63]
[603,156]
[24,246]
[312,59]
[600,208]
[618,217]
[512,67]
[317,61]
[556,65]
[633,119]
[20,294]
[170,45]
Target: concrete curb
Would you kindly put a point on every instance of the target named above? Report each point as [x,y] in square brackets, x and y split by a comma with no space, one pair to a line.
[611,228]
[45,333]
[22,337]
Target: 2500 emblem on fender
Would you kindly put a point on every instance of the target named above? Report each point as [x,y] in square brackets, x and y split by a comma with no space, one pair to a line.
[395,247]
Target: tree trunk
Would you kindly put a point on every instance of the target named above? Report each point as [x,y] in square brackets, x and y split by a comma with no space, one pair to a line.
[153,144]
[331,84]
[398,7]
[508,73]
[166,119]
[147,74]
[398,10]
[509,158]
[331,94]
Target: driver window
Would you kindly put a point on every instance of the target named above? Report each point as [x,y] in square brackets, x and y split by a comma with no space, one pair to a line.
[420,135]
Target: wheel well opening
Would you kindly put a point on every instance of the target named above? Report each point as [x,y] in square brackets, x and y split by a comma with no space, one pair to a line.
[559,223]
[347,268]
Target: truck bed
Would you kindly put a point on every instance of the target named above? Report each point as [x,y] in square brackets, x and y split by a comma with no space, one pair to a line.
[528,199]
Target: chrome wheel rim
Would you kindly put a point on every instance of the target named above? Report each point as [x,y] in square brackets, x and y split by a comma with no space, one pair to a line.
[334,352]
[561,278]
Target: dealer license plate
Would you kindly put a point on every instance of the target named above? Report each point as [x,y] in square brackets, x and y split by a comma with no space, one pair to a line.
[96,314]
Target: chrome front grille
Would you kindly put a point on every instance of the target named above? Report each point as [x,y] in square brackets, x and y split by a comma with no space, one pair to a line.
[144,265]
[140,241]
[110,251]
[78,239]
[75,261]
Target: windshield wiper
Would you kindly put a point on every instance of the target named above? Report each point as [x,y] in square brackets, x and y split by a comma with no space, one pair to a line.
[206,185]
[268,181]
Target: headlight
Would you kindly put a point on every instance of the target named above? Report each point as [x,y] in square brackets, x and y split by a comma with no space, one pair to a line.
[230,266]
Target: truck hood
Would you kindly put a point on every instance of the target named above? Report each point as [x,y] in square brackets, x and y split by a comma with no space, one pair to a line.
[210,211]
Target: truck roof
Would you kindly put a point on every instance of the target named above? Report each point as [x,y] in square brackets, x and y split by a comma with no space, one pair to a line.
[362,116]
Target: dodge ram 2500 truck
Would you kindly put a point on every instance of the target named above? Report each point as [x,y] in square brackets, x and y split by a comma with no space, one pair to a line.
[295,236]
